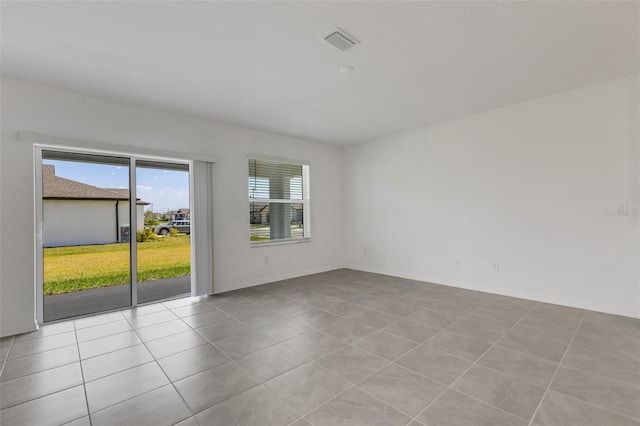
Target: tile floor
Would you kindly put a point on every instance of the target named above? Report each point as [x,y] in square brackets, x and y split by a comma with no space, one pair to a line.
[338,348]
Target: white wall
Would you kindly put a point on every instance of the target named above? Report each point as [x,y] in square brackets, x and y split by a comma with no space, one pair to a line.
[68,222]
[548,188]
[40,109]
[77,222]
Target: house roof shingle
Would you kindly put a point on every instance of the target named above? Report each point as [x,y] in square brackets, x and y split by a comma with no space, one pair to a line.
[55,187]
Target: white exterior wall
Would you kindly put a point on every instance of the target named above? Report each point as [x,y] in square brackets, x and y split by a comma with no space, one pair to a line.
[123,215]
[42,109]
[78,222]
[538,200]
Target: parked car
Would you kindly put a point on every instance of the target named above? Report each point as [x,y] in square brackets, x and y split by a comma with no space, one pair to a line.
[183,226]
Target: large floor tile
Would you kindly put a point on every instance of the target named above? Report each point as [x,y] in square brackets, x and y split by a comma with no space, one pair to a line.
[193,361]
[23,389]
[375,319]
[143,310]
[82,421]
[255,407]
[55,409]
[344,309]
[412,330]
[175,343]
[222,329]
[47,343]
[271,362]
[192,309]
[114,362]
[432,319]
[355,407]
[351,363]
[455,409]
[108,344]
[92,321]
[47,330]
[316,318]
[121,386]
[512,395]
[243,343]
[547,349]
[520,365]
[613,395]
[160,407]
[159,331]
[605,364]
[454,308]
[204,319]
[402,389]
[612,344]
[561,409]
[395,308]
[458,345]
[206,389]
[102,330]
[41,361]
[152,319]
[306,387]
[347,330]
[477,330]
[555,332]
[385,345]
[313,344]
[283,330]
[434,364]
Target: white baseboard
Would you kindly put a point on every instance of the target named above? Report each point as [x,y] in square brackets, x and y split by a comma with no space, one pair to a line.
[581,304]
[273,278]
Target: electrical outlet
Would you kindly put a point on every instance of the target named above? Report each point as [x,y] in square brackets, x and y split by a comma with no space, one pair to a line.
[459,261]
[496,266]
[364,251]
[266,260]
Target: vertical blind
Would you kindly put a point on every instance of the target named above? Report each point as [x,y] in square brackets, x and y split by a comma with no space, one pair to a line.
[278,201]
[202,221]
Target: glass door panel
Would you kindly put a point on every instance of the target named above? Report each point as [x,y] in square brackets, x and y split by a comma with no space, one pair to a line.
[86,234]
[163,251]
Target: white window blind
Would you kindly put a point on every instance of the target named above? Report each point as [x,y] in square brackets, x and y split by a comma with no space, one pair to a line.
[279,198]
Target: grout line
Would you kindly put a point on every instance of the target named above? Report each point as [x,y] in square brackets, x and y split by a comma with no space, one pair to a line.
[84,383]
[6,357]
[575,333]
[165,374]
[473,364]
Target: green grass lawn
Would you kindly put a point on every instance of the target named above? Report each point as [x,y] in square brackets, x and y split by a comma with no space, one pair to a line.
[68,269]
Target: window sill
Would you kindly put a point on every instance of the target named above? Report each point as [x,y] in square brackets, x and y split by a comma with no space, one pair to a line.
[279,242]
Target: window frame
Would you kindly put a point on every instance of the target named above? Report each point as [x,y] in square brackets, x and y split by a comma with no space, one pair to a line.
[305,201]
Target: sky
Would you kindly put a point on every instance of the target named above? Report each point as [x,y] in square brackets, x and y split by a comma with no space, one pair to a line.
[164,189]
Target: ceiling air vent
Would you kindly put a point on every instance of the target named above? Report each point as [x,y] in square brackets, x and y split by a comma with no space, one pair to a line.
[341,40]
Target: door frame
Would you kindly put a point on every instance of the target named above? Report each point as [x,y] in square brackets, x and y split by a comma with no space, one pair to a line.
[133,219]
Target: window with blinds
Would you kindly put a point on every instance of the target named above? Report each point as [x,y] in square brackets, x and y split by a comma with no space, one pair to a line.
[278,201]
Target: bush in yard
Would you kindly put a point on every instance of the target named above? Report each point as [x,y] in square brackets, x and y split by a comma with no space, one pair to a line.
[151,222]
[146,234]
[173,232]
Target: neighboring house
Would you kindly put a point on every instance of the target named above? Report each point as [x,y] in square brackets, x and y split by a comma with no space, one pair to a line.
[75,213]
[180,214]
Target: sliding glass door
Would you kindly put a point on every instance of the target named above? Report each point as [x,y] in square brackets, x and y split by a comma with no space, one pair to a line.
[114,231]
